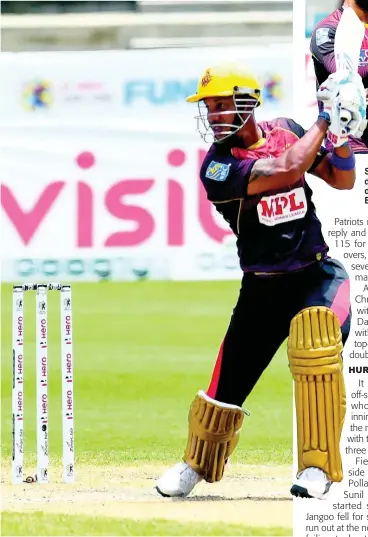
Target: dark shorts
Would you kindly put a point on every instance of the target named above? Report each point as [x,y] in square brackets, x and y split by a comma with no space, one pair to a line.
[261,321]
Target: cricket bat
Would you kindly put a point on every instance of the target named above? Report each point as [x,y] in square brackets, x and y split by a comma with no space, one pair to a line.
[348,42]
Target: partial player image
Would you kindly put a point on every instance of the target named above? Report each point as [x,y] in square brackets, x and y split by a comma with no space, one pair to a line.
[339,44]
[152,165]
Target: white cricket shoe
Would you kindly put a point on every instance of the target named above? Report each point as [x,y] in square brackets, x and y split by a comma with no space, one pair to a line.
[311,483]
[179,480]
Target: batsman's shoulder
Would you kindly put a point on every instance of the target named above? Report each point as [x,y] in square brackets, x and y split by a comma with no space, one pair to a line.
[323,35]
[283,123]
[215,166]
[225,176]
[330,21]
[212,155]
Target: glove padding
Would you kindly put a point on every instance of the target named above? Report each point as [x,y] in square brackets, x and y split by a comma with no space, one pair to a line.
[346,117]
[329,89]
[352,98]
[362,127]
[344,100]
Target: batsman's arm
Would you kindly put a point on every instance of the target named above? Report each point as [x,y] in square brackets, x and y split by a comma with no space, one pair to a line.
[337,169]
[288,168]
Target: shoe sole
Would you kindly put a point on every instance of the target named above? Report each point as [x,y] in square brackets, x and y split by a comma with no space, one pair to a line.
[299,492]
[169,495]
[302,492]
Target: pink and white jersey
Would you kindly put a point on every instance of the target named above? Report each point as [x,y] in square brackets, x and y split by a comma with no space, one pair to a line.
[278,230]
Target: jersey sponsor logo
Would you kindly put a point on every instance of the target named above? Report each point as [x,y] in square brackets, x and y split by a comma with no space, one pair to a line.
[281,208]
[363,57]
[217,171]
[322,36]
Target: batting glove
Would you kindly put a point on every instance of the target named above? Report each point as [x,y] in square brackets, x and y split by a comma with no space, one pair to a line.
[352,99]
[344,102]
[344,82]
[330,88]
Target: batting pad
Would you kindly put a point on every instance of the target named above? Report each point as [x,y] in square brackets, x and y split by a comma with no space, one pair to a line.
[213,435]
[314,351]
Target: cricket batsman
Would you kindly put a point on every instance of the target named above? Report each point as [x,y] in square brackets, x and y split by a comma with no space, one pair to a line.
[322,49]
[254,174]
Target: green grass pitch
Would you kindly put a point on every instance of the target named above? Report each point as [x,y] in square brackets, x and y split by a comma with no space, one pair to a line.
[141,352]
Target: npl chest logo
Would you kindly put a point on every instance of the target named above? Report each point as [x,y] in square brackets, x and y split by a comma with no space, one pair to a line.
[281,208]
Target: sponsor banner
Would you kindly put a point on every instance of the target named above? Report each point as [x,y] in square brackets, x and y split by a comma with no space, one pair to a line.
[212,263]
[138,267]
[102,206]
[116,194]
[138,84]
[123,200]
[98,207]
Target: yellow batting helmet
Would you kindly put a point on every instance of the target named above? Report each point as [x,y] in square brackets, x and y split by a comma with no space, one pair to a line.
[224,80]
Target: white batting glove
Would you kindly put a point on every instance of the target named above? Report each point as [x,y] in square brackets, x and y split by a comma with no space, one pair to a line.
[364,123]
[352,100]
[347,82]
[330,88]
[337,133]
[362,127]
[344,101]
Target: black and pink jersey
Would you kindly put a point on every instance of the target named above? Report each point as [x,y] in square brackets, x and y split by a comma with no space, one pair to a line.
[322,49]
[278,230]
